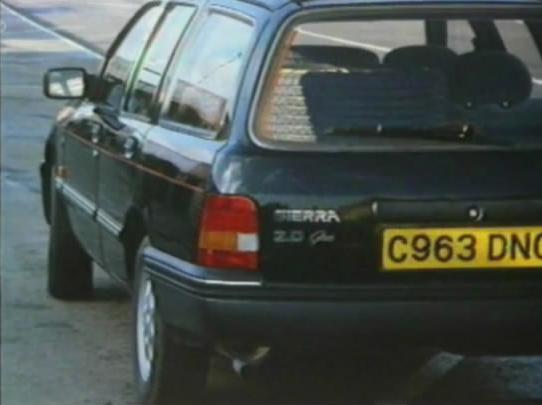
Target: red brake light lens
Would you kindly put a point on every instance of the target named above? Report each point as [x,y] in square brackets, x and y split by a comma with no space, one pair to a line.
[229,233]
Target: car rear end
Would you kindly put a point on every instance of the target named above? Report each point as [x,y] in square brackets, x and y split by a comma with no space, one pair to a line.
[390,191]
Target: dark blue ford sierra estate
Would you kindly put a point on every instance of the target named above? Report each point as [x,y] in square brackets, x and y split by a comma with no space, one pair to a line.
[282,173]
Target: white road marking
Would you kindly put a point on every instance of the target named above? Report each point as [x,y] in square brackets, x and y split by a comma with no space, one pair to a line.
[112,4]
[429,374]
[52,32]
[357,44]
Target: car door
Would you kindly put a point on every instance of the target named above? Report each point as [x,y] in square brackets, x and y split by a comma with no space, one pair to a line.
[199,96]
[124,132]
[81,134]
[79,167]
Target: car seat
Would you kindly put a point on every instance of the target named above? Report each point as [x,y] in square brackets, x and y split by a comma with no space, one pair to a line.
[490,78]
[428,56]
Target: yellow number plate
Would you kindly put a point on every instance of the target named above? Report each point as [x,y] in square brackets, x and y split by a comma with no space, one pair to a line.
[462,248]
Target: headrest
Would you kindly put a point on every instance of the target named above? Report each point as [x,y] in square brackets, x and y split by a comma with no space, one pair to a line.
[490,77]
[388,97]
[434,57]
[307,56]
[312,103]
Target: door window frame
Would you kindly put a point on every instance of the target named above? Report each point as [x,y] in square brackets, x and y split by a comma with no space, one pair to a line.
[134,75]
[121,37]
[124,32]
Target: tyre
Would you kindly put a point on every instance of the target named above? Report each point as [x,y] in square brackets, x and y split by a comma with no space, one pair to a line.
[167,370]
[69,267]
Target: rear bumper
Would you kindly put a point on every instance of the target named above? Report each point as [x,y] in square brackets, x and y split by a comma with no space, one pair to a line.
[214,307]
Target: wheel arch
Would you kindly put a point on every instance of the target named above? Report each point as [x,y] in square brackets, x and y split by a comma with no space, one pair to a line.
[49,158]
[134,231]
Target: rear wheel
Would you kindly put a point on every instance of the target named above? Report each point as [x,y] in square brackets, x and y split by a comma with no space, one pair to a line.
[69,267]
[167,370]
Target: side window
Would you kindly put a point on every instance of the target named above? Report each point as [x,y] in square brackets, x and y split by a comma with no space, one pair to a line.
[121,63]
[206,77]
[157,58]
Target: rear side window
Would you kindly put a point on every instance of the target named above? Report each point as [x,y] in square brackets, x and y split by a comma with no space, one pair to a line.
[157,58]
[206,77]
[357,83]
[124,58]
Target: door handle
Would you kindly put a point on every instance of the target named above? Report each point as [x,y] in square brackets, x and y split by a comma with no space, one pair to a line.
[129,147]
[95,130]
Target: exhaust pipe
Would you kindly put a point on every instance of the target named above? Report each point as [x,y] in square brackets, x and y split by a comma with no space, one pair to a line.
[244,358]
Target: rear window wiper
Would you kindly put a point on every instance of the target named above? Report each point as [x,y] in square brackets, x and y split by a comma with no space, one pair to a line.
[456,132]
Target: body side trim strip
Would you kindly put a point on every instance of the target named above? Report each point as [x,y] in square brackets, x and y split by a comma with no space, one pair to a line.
[108,223]
[139,166]
[75,197]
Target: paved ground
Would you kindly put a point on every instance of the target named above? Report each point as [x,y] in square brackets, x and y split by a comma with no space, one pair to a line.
[94,22]
[78,353]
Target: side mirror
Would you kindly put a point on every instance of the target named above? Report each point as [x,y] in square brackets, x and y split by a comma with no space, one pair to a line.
[65,84]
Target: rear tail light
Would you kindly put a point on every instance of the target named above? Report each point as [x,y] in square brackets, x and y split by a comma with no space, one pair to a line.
[229,233]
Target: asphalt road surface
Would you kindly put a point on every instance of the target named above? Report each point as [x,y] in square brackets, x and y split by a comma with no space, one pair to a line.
[79,353]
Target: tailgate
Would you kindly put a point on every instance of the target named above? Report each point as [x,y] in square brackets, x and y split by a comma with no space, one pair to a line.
[331,220]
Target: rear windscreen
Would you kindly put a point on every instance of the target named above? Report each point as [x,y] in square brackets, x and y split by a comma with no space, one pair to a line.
[353,83]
